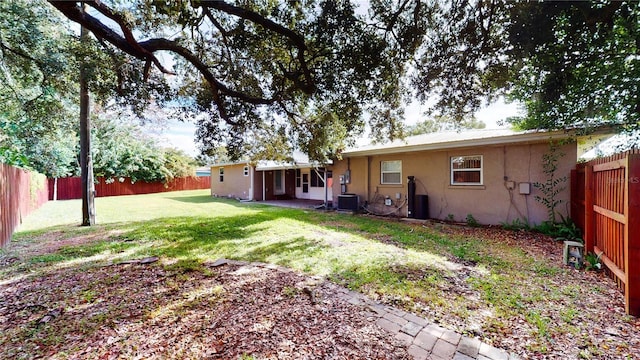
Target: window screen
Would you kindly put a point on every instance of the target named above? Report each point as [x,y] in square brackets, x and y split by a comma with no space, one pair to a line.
[466,170]
[391,172]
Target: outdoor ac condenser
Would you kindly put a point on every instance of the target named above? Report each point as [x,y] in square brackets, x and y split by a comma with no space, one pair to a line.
[348,202]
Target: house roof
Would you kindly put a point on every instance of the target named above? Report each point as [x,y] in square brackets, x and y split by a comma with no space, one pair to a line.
[300,160]
[453,139]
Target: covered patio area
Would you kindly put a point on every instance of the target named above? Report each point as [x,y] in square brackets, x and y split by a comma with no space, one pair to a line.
[295,203]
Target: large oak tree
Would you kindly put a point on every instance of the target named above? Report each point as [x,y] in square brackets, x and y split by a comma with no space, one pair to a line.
[276,74]
[268,74]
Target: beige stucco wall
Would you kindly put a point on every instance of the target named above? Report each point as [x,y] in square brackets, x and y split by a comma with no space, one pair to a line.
[235,184]
[491,203]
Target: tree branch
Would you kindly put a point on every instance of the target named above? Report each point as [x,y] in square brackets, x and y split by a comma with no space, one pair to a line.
[19,53]
[144,50]
[308,86]
[40,66]
[73,12]
[170,45]
[128,35]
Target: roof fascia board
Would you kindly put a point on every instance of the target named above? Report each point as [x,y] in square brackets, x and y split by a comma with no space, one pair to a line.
[289,166]
[492,141]
[231,164]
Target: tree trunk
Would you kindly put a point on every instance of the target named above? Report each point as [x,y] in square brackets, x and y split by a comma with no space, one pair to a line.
[86,164]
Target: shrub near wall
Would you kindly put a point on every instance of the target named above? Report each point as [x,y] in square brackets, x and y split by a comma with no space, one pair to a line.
[21,192]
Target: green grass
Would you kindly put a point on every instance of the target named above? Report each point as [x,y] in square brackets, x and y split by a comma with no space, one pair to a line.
[407,265]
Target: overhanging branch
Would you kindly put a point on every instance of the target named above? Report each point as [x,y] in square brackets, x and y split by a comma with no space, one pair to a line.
[144,50]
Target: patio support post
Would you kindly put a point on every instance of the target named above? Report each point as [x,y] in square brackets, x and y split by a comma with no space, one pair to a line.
[631,238]
[326,191]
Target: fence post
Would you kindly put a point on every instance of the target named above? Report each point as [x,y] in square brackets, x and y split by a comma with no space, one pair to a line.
[631,238]
[573,194]
[589,235]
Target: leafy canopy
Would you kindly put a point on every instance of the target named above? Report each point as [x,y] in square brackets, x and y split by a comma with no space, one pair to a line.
[122,148]
[35,63]
[39,112]
[258,74]
[263,77]
[439,124]
[573,64]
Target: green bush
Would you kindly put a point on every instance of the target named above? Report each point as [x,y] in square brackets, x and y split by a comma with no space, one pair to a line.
[592,262]
[566,230]
[471,221]
[517,224]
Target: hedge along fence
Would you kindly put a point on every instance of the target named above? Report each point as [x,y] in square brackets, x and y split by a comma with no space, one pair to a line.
[71,188]
[21,192]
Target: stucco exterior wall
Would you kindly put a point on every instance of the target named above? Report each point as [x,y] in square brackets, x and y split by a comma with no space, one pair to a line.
[235,184]
[490,203]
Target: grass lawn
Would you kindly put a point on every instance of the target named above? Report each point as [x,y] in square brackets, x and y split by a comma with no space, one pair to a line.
[506,288]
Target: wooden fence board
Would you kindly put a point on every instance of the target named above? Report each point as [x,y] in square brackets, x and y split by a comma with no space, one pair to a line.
[611,165]
[21,192]
[621,218]
[609,188]
[71,188]
[631,237]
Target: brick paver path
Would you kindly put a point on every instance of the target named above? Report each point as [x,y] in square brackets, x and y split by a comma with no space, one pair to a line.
[424,340]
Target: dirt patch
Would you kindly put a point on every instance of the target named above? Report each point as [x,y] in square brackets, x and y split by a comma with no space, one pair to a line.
[53,241]
[147,311]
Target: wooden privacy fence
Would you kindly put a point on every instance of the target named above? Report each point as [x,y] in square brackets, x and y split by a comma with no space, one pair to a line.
[71,188]
[605,203]
[21,192]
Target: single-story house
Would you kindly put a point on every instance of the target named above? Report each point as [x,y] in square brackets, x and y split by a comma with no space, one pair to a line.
[271,180]
[485,175]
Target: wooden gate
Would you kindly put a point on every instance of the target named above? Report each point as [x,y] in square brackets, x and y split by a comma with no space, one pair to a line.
[605,203]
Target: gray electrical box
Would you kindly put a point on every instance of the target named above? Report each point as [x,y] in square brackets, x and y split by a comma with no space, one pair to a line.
[525,188]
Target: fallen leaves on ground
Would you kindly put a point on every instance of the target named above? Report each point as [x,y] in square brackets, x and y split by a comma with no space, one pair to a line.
[158,310]
[580,314]
[135,311]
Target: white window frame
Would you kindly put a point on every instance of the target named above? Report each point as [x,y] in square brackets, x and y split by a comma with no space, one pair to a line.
[383,172]
[221,174]
[245,171]
[452,170]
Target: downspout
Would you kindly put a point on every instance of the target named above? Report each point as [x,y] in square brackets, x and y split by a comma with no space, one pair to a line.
[264,194]
[326,191]
[251,183]
[367,178]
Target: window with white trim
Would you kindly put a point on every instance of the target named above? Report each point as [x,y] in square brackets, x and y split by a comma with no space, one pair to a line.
[466,170]
[221,174]
[245,171]
[391,172]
